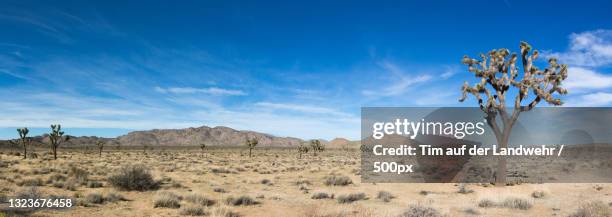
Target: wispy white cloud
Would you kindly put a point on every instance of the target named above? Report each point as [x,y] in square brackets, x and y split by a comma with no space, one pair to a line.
[401,81]
[591,49]
[209,90]
[591,99]
[302,108]
[581,79]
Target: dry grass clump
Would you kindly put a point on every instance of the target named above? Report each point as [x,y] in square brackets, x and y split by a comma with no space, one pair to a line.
[29,193]
[94,184]
[538,194]
[192,210]
[593,209]
[98,198]
[464,190]
[80,175]
[338,180]
[95,198]
[133,177]
[199,199]
[241,201]
[385,196]
[219,190]
[511,202]
[167,199]
[420,211]
[349,198]
[30,182]
[322,195]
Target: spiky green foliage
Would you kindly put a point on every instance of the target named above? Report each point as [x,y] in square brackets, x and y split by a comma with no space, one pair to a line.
[316,146]
[100,145]
[302,149]
[24,140]
[56,137]
[497,73]
[251,143]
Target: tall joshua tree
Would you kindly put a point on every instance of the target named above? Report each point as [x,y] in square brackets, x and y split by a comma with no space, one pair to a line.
[251,143]
[316,146]
[24,140]
[202,147]
[498,72]
[302,149]
[100,145]
[57,137]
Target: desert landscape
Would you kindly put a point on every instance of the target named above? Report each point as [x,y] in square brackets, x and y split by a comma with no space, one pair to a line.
[222,180]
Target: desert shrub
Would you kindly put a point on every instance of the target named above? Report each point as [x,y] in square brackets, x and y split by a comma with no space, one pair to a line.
[266,182]
[471,211]
[219,190]
[70,185]
[192,211]
[517,203]
[592,209]
[167,199]
[29,193]
[220,170]
[420,211]
[385,196]
[241,201]
[133,177]
[94,184]
[113,197]
[302,182]
[80,175]
[223,212]
[349,198]
[338,180]
[321,195]
[199,199]
[538,194]
[95,198]
[512,203]
[31,182]
[486,203]
[464,190]
[56,178]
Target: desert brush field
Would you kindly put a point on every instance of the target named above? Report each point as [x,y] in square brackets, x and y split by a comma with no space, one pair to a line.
[273,182]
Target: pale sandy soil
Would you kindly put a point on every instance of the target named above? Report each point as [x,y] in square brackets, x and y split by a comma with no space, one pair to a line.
[189,171]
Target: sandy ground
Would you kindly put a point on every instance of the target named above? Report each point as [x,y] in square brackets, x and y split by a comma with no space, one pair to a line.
[271,178]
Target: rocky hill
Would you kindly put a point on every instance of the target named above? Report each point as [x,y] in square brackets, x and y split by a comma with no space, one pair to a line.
[216,136]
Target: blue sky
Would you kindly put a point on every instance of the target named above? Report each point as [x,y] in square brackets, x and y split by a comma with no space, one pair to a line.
[300,69]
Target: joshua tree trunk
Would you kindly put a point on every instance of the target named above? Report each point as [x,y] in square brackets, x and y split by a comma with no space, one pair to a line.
[54,149]
[250,152]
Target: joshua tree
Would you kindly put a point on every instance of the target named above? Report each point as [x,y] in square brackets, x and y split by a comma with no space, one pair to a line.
[24,140]
[251,143]
[316,146]
[497,76]
[144,148]
[56,137]
[302,149]
[202,147]
[100,145]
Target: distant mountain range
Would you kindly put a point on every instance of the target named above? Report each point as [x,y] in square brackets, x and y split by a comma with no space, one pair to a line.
[215,136]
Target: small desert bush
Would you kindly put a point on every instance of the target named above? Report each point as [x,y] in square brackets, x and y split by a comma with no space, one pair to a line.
[511,202]
[193,210]
[31,182]
[80,175]
[167,199]
[322,195]
[338,180]
[113,197]
[219,190]
[95,198]
[241,201]
[349,198]
[385,196]
[94,184]
[29,193]
[133,177]
[464,190]
[592,209]
[538,194]
[199,199]
[420,211]
[517,203]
